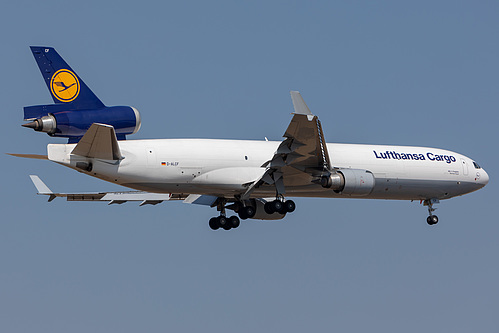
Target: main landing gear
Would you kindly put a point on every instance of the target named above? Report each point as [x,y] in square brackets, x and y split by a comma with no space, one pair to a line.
[432,219]
[225,223]
[247,210]
[278,206]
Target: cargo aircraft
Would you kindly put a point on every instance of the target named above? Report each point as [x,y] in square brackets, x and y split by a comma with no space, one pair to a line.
[252,178]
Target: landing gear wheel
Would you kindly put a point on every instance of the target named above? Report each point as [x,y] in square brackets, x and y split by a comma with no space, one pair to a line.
[432,219]
[283,210]
[242,214]
[268,207]
[246,212]
[214,224]
[223,222]
[234,222]
[290,206]
[278,206]
[250,211]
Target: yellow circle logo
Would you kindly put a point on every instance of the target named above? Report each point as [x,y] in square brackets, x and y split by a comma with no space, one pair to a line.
[65,85]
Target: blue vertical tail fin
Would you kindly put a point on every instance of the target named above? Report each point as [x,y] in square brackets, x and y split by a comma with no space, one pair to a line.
[63,83]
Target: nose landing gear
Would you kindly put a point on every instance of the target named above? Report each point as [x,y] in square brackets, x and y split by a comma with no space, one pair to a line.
[432,219]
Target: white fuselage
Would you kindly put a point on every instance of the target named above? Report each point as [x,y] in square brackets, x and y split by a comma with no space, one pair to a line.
[225,167]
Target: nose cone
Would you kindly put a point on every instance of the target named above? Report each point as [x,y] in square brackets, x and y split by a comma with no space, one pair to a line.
[482,177]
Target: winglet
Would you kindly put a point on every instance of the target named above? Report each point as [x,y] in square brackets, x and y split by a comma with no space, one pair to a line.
[41,187]
[299,104]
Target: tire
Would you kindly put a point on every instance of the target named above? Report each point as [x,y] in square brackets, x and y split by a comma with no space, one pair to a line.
[280,207]
[214,224]
[250,211]
[290,206]
[268,208]
[432,220]
[242,213]
[234,222]
[277,206]
[222,221]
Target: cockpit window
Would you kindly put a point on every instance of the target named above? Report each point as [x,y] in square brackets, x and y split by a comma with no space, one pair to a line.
[476,165]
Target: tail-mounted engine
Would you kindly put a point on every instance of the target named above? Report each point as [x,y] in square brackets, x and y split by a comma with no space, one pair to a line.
[56,120]
[353,182]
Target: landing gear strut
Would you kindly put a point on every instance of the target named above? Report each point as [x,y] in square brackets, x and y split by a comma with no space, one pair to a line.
[432,219]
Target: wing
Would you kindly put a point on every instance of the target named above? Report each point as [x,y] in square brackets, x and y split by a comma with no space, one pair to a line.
[302,158]
[145,198]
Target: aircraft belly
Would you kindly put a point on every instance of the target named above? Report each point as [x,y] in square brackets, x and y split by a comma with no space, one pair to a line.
[407,189]
[386,188]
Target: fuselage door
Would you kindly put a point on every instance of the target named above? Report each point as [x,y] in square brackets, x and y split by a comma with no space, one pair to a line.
[465,166]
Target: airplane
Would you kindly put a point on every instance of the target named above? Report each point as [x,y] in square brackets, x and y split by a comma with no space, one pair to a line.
[255,179]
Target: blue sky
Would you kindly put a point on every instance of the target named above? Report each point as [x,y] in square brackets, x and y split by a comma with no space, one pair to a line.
[386,72]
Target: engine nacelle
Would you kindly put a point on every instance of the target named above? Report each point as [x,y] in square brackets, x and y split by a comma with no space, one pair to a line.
[56,121]
[353,182]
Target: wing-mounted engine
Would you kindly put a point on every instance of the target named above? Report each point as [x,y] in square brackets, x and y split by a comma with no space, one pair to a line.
[76,107]
[352,182]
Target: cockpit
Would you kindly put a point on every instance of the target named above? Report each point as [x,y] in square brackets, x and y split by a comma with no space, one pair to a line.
[476,165]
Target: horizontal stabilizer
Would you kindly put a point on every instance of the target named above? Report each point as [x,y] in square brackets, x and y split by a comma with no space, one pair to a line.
[99,142]
[34,156]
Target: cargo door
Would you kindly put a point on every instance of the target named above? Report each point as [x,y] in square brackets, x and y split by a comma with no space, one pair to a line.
[465,166]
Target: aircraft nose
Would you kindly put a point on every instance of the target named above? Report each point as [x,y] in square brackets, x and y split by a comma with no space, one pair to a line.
[482,177]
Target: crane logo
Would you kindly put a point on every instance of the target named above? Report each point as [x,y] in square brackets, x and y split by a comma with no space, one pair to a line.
[64,85]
